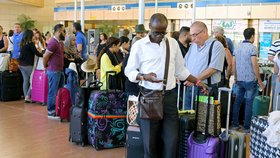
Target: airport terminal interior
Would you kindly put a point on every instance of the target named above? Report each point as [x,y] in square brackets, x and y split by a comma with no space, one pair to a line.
[92,30]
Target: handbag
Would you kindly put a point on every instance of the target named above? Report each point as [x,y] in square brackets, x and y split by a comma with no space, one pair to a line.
[210,112]
[132,110]
[151,101]
[14,65]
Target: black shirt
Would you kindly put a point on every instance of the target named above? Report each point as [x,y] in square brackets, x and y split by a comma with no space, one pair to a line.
[184,49]
[27,53]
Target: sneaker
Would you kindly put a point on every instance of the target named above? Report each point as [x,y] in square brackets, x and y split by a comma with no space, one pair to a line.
[52,116]
[246,130]
[235,128]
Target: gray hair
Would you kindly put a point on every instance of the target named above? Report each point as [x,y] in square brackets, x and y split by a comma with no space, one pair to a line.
[219,29]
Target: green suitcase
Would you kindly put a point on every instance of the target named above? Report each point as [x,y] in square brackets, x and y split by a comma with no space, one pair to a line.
[261,102]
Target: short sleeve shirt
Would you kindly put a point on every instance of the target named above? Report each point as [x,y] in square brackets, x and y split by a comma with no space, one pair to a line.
[81,39]
[196,60]
[16,40]
[56,61]
[244,66]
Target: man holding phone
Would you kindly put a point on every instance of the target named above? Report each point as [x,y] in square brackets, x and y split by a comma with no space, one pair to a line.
[146,64]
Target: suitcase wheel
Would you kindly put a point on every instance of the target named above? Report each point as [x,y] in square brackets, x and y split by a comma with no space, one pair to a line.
[83,144]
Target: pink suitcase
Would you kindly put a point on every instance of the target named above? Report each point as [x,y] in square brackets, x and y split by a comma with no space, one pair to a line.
[39,91]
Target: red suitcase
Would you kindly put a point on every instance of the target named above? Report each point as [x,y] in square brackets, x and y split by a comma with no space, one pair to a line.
[63,104]
[39,91]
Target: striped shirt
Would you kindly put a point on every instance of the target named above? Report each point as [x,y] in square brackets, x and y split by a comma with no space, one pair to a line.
[275,48]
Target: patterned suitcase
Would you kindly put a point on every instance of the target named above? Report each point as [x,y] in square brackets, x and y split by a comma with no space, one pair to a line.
[258,146]
[107,119]
[39,91]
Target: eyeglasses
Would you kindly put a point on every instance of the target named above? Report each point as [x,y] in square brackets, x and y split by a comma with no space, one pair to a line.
[158,33]
[196,34]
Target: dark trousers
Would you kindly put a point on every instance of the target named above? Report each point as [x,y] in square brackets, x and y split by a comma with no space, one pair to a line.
[160,137]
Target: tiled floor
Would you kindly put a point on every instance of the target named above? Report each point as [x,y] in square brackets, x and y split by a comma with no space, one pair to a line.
[26,132]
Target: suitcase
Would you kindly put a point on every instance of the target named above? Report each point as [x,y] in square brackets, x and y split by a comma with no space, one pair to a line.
[107,112]
[78,125]
[63,104]
[202,145]
[78,114]
[134,143]
[39,91]
[186,124]
[10,87]
[258,146]
[261,103]
[232,142]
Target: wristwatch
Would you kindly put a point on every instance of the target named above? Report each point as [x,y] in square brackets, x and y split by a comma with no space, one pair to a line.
[141,77]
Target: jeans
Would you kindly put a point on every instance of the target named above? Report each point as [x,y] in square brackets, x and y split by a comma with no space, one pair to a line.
[275,88]
[242,87]
[188,97]
[56,81]
[26,73]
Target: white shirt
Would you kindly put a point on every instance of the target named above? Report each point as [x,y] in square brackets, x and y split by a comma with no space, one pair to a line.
[146,57]
[11,45]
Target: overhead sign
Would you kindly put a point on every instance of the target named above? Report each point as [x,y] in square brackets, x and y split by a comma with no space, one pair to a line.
[269,26]
[231,25]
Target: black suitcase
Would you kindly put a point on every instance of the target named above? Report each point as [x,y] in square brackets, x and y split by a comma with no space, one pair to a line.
[134,143]
[78,125]
[10,87]
[186,123]
[186,126]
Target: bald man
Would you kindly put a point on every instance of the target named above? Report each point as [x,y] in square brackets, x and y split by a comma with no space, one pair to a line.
[147,64]
[198,61]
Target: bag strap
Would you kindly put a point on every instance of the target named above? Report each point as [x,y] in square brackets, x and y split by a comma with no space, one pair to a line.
[166,65]
[209,60]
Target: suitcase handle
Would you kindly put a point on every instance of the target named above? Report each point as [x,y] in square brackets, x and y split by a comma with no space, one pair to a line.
[225,89]
[184,96]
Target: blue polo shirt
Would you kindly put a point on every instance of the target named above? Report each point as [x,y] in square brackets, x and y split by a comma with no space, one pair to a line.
[244,66]
[16,42]
[81,39]
[196,60]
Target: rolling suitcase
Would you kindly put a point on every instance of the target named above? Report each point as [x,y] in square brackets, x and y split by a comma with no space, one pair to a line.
[78,120]
[261,103]
[78,114]
[202,145]
[39,91]
[10,87]
[107,112]
[134,143]
[186,123]
[63,104]
[229,144]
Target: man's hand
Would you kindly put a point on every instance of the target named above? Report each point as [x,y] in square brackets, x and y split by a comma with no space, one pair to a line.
[151,77]
[188,83]
[204,87]
[261,84]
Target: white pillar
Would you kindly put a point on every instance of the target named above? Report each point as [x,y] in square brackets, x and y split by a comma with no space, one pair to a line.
[83,15]
[75,10]
[194,11]
[156,6]
[141,11]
